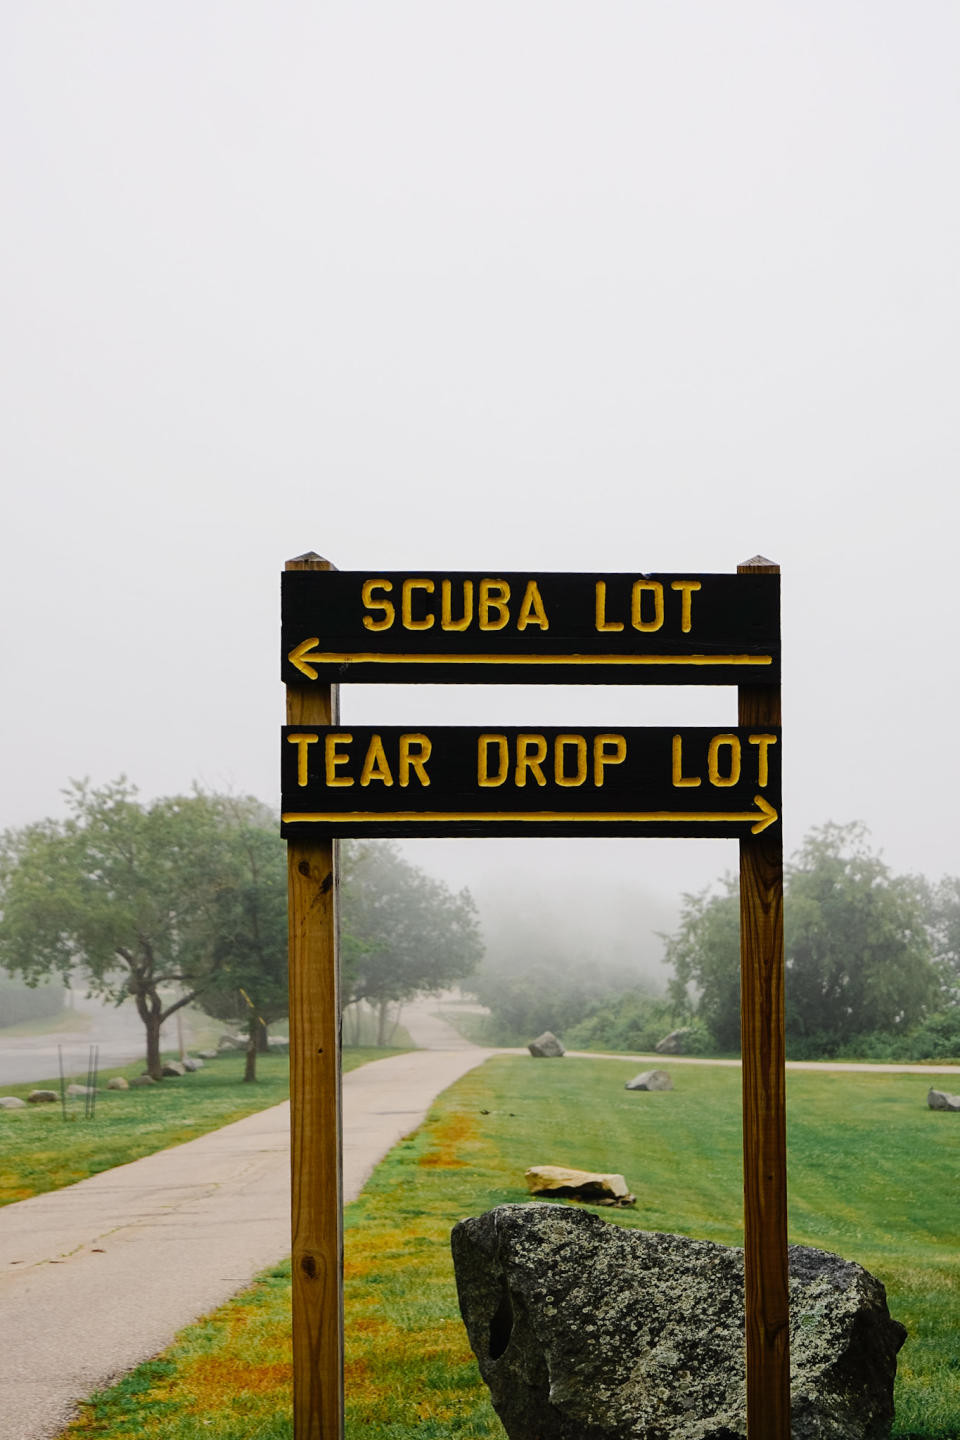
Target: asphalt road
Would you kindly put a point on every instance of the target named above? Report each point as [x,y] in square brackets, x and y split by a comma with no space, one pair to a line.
[116,1030]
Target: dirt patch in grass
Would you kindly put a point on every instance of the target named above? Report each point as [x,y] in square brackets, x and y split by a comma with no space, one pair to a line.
[450,1140]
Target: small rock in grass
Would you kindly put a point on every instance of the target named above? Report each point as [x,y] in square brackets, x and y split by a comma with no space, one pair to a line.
[43,1097]
[12,1102]
[590,1186]
[119,1082]
[650,1080]
[674,1043]
[143,1079]
[546,1046]
[173,1067]
[940,1100]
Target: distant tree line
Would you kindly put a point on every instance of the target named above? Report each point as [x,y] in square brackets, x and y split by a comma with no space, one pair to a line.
[183,900]
[872,968]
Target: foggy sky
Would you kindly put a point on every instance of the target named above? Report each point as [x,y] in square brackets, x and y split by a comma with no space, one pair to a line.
[620,286]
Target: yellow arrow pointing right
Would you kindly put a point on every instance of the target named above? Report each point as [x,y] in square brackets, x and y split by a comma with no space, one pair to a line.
[767,815]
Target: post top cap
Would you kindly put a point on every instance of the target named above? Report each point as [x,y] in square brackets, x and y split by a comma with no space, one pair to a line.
[309,560]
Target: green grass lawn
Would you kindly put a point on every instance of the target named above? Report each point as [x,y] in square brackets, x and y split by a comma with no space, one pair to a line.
[40,1151]
[873,1176]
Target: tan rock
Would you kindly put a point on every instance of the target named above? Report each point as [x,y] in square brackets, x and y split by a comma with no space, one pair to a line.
[593,1187]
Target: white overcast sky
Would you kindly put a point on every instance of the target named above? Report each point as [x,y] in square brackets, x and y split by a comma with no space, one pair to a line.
[609,286]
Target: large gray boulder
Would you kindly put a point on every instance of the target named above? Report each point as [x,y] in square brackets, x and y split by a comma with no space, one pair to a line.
[546,1046]
[940,1100]
[585,1330]
[12,1102]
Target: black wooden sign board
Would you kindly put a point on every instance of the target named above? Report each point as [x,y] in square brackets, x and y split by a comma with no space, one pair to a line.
[530,628]
[463,780]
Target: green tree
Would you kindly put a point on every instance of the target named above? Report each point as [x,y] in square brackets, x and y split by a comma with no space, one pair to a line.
[945,927]
[704,955]
[135,893]
[404,932]
[249,979]
[857,947]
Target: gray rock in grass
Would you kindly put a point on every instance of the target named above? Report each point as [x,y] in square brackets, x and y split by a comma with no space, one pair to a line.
[585,1330]
[940,1100]
[12,1102]
[546,1046]
[674,1043]
[650,1080]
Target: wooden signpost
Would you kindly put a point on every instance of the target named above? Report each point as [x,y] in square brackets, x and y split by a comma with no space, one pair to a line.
[459,780]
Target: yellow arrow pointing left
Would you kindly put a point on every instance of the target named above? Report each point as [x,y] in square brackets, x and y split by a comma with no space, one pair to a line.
[301,657]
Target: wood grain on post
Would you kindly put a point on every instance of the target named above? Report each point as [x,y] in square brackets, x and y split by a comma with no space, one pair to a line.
[766,1285]
[315,1113]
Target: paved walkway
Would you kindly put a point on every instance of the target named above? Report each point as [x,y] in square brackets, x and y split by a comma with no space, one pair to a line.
[96,1278]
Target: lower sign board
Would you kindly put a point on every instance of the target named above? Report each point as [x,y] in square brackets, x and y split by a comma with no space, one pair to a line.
[391,781]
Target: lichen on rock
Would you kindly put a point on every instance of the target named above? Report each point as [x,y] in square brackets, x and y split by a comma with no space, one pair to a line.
[585,1330]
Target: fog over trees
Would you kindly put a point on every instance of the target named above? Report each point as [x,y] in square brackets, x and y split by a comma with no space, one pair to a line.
[553,951]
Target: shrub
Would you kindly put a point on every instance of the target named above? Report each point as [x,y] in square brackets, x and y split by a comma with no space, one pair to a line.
[634,1021]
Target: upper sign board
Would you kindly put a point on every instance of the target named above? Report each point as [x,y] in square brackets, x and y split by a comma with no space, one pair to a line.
[459,780]
[543,628]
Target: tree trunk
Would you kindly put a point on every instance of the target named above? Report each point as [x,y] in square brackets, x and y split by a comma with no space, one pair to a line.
[149,1008]
[263,1039]
[152,1022]
[250,1068]
[383,1016]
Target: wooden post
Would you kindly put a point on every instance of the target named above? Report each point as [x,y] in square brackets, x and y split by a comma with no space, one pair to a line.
[315,1114]
[766,1293]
